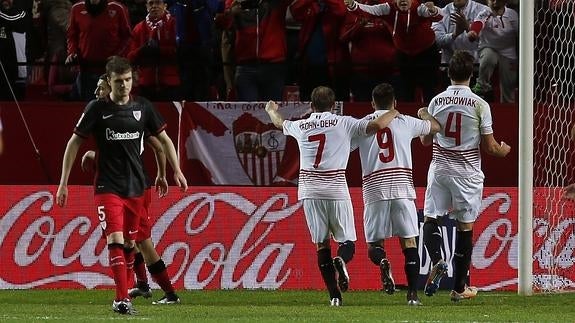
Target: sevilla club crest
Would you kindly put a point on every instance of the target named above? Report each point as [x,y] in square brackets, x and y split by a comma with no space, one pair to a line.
[260,148]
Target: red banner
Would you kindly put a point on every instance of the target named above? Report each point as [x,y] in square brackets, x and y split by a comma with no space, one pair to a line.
[246,237]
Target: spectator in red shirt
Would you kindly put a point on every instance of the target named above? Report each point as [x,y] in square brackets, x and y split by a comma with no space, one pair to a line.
[98,29]
[373,54]
[153,51]
[260,47]
[324,59]
[409,22]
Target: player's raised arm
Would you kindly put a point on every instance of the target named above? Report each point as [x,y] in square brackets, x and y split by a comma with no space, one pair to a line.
[272,110]
[381,9]
[492,147]
[381,122]
[67,162]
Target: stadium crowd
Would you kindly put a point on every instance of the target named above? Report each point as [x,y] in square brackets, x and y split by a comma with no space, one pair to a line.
[256,50]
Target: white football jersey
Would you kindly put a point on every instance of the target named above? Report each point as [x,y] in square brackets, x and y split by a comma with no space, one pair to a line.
[386,158]
[324,145]
[464,117]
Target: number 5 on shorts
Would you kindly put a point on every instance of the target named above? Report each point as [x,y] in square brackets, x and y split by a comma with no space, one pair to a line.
[102,217]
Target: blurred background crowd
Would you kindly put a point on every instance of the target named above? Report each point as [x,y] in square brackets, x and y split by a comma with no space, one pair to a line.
[255,50]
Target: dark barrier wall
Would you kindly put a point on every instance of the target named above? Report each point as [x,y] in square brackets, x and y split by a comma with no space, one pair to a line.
[51,125]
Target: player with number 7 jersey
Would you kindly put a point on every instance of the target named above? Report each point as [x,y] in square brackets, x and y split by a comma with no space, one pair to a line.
[324,141]
[455,178]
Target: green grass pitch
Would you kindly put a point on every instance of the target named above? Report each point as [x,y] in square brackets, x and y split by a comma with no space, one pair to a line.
[285,306]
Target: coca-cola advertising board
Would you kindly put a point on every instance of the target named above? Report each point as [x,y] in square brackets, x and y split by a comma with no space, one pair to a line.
[250,237]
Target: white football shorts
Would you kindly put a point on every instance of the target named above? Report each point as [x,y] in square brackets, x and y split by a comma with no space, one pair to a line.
[390,218]
[329,216]
[460,197]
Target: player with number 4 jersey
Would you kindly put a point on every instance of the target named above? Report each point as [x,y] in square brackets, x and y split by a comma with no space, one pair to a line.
[455,179]
[388,192]
[324,141]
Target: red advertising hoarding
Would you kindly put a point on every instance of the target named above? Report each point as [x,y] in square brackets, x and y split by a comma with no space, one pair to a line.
[247,237]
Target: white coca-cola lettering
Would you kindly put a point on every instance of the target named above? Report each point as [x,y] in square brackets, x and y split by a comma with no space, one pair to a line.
[42,244]
[47,239]
[560,233]
[227,261]
[479,258]
[23,259]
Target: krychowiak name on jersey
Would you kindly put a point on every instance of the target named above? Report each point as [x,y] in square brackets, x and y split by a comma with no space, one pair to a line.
[465,117]
[386,160]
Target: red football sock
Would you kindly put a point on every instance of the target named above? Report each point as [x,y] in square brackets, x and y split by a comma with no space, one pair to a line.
[140,268]
[129,255]
[160,276]
[118,267]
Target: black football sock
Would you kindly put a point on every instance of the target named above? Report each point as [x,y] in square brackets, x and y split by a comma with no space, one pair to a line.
[327,270]
[462,259]
[160,275]
[411,267]
[432,240]
[376,253]
[346,250]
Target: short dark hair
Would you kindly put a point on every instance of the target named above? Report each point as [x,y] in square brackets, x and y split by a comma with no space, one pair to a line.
[118,65]
[383,96]
[461,66]
[322,99]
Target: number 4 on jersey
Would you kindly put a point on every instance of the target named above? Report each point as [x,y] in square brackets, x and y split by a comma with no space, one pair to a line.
[449,131]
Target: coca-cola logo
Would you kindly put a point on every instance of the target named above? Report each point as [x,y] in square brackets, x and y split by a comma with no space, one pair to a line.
[75,246]
[252,238]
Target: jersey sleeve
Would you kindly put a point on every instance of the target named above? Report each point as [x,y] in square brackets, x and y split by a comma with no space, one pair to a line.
[87,121]
[418,127]
[154,123]
[290,128]
[485,120]
[356,127]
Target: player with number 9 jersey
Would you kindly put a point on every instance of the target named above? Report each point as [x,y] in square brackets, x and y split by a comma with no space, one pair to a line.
[388,192]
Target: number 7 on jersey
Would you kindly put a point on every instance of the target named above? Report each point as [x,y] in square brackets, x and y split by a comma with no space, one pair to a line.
[318,154]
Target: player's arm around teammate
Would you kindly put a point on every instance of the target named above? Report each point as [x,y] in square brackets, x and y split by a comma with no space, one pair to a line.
[372,127]
[423,114]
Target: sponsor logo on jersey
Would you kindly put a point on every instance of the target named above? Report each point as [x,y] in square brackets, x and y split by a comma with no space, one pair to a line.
[112,135]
